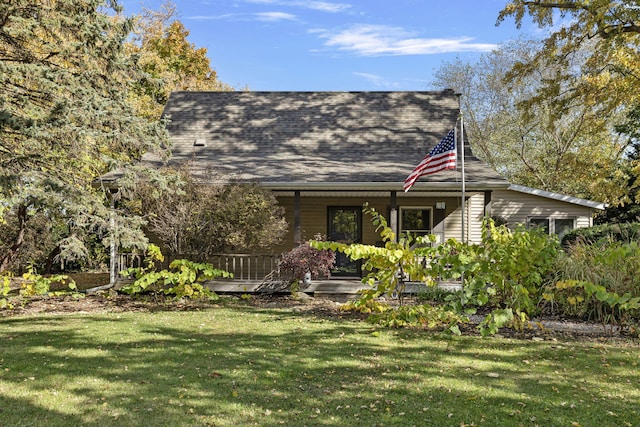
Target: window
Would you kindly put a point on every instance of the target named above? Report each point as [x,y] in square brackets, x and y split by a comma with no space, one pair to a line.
[563,226]
[415,220]
[559,226]
[539,223]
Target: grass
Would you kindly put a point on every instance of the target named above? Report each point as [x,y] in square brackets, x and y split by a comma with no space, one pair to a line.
[245,366]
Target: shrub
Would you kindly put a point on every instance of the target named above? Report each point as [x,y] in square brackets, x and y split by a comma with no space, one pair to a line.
[506,272]
[305,259]
[183,279]
[611,267]
[5,282]
[425,316]
[624,232]
[36,284]
[595,302]
[200,219]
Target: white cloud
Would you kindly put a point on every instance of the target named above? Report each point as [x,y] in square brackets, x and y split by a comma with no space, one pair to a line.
[381,40]
[322,6]
[378,81]
[274,16]
[263,16]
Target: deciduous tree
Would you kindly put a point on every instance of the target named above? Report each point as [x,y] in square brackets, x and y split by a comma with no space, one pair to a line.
[605,35]
[199,217]
[568,149]
[170,62]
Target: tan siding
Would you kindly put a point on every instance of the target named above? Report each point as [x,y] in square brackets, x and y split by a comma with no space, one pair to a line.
[313,214]
[473,220]
[476,215]
[515,207]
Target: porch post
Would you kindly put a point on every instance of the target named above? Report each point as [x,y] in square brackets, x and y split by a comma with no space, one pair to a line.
[393,220]
[112,240]
[296,218]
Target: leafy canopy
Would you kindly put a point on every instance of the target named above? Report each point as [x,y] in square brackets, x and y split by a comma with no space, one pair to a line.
[169,61]
[572,150]
[604,37]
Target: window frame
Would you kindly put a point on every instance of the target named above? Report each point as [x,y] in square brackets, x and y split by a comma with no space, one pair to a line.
[551,229]
[402,230]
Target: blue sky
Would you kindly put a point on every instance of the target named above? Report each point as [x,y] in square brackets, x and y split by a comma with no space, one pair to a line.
[342,45]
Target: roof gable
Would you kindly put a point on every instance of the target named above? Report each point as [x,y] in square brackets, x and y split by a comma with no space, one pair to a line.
[317,137]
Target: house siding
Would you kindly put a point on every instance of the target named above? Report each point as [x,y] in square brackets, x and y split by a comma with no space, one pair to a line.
[313,215]
[516,207]
[474,214]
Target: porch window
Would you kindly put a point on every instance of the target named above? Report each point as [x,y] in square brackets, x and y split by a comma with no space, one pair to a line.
[558,226]
[416,220]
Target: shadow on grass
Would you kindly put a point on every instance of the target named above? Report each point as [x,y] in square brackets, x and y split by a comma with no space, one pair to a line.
[245,366]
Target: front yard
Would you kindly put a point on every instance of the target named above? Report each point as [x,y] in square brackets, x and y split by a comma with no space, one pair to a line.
[242,365]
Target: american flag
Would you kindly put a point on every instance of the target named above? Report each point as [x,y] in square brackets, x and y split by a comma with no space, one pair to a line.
[443,156]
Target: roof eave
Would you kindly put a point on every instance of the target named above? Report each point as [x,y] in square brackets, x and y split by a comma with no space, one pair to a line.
[557,196]
[384,186]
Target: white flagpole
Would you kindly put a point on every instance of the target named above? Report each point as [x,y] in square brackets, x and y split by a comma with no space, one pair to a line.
[463,183]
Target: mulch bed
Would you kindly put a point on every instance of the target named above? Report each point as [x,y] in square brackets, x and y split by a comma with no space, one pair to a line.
[541,329]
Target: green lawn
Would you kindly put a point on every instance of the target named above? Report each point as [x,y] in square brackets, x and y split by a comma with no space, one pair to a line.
[244,366]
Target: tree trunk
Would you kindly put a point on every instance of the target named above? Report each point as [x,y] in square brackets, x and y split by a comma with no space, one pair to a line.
[11,254]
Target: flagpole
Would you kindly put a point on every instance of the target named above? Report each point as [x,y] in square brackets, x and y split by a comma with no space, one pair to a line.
[463,183]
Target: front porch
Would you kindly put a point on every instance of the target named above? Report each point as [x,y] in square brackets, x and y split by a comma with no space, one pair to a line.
[255,274]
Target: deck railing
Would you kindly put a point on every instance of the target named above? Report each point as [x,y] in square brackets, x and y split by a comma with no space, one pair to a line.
[248,266]
[243,266]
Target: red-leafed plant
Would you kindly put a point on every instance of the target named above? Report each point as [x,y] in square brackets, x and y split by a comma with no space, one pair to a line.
[305,259]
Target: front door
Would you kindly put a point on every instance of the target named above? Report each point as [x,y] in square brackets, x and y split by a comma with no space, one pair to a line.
[345,226]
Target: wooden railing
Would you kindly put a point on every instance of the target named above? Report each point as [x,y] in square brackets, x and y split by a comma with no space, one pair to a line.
[248,266]
[243,266]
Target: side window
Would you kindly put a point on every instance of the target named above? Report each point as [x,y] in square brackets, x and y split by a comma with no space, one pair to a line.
[539,222]
[559,226]
[563,226]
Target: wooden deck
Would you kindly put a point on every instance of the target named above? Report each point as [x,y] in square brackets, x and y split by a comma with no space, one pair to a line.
[317,288]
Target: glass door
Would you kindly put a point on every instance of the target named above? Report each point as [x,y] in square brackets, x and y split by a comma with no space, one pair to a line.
[345,226]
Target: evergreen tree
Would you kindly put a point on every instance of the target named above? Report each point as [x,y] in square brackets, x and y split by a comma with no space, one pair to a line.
[65,118]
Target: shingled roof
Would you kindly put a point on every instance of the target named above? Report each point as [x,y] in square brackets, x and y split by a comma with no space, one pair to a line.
[323,140]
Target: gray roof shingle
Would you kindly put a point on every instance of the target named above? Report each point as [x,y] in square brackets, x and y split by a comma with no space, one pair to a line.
[328,139]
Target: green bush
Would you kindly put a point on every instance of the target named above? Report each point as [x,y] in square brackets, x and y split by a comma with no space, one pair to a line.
[612,267]
[36,284]
[507,272]
[5,281]
[183,279]
[624,232]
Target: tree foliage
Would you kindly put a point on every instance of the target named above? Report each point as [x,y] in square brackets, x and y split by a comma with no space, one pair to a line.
[605,37]
[570,150]
[198,217]
[170,62]
[65,118]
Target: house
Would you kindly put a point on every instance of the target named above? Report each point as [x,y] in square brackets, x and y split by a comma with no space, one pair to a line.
[324,154]
[556,213]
